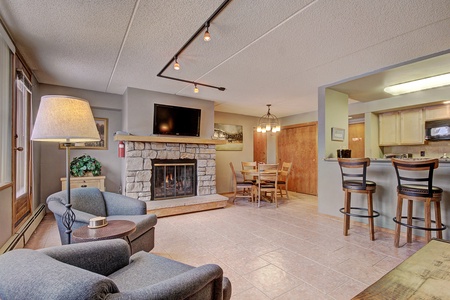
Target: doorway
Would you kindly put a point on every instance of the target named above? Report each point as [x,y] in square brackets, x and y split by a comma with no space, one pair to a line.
[21,147]
[298,144]
[356,139]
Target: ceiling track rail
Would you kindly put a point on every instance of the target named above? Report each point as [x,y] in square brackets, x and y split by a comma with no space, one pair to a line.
[192,38]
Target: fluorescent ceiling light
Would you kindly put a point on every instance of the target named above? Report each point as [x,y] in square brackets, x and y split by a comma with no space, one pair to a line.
[418,85]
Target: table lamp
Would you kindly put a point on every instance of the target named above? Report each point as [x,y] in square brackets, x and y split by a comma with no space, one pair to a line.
[66,120]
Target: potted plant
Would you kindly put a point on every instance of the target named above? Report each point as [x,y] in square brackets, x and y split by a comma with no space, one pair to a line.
[85,165]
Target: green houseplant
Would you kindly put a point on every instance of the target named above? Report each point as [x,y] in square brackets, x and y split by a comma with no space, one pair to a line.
[82,165]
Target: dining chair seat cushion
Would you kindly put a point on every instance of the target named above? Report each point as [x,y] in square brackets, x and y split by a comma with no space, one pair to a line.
[266,185]
[358,184]
[417,190]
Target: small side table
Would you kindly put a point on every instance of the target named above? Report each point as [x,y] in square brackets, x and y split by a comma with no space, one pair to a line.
[114,229]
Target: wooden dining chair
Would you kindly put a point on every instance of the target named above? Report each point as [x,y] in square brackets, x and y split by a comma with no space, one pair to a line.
[249,165]
[283,178]
[241,189]
[267,181]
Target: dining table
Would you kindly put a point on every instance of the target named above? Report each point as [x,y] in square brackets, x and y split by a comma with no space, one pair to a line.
[255,174]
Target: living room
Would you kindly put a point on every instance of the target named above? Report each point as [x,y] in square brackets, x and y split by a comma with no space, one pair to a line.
[277,63]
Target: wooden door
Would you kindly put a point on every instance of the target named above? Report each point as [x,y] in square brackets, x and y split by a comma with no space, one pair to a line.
[356,139]
[22,171]
[298,144]
[259,147]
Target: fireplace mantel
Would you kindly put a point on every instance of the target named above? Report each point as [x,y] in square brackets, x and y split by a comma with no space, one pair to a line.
[165,139]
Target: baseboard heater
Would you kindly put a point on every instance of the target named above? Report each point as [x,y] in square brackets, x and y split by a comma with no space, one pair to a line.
[21,237]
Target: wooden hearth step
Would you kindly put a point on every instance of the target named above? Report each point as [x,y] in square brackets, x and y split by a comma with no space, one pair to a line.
[170,207]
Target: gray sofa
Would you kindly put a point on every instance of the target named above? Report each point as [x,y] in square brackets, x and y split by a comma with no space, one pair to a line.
[88,203]
[105,270]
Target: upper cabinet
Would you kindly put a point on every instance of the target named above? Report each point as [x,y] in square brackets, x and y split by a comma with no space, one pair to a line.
[404,127]
[389,129]
[412,127]
[437,112]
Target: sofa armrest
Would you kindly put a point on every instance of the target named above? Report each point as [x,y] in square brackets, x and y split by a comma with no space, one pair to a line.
[29,274]
[101,257]
[204,282]
[117,204]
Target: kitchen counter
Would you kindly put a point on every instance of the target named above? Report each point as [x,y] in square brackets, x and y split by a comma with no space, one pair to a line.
[388,160]
[382,172]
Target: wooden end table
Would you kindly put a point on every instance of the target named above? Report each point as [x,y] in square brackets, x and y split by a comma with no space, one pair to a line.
[114,229]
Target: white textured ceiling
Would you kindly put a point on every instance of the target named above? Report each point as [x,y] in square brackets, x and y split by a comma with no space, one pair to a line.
[262,51]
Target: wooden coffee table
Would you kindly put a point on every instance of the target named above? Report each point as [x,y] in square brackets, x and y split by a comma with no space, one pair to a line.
[114,229]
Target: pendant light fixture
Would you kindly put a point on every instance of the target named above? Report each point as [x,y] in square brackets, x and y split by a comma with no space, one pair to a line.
[207,36]
[268,122]
[176,65]
[195,89]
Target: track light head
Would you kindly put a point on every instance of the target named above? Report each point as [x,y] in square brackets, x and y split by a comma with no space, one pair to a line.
[207,36]
[176,65]
[196,89]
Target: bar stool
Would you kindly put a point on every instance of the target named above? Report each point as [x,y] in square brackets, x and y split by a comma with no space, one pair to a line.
[409,173]
[353,171]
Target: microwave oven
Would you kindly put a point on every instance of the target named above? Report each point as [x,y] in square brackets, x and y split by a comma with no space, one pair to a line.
[438,130]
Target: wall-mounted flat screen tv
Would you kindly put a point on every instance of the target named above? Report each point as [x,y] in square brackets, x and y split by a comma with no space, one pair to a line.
[176,120]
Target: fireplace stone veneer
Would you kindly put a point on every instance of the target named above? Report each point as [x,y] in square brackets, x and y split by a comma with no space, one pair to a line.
[139,156]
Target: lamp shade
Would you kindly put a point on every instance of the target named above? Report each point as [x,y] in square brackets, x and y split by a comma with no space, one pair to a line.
[64,119]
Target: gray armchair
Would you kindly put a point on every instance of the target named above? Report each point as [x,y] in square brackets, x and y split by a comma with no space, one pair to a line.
[88,203]
[105,270]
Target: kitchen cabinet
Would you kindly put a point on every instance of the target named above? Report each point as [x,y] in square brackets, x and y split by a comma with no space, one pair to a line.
[83,182]
[412,127]
[437,112]
[389,127]
[404,127]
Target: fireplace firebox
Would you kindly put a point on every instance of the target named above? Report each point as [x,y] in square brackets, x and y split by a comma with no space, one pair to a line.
[173,178]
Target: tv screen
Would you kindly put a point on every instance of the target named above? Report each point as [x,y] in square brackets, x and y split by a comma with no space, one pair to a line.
[176,120]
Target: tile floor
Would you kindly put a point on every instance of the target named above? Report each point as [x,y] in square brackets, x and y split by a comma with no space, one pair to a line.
[289,252]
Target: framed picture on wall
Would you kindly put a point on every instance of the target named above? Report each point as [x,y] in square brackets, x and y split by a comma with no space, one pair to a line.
[337,134]
[102,127]
[233,134]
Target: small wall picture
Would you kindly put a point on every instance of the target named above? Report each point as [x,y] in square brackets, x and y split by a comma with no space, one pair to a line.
[337,134]
[233,134]
[102,127]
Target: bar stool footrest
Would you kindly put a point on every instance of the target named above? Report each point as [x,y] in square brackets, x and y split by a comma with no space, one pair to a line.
[419,227]
[375,213]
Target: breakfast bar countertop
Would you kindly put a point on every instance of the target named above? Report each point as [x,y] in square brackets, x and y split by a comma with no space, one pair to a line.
[388,160]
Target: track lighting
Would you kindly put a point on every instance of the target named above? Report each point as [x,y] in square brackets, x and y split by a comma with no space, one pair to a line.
[207,36]
[176,65]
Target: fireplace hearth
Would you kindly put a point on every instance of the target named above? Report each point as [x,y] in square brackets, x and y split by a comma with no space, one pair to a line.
[173,178]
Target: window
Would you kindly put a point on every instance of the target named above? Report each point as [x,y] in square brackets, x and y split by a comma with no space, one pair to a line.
[5,113]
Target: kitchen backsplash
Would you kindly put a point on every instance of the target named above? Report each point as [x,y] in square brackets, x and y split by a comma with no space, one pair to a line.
[432,149]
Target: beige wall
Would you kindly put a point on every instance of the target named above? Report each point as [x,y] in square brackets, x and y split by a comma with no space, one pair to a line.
[50,161]
[223,158]
[5,215]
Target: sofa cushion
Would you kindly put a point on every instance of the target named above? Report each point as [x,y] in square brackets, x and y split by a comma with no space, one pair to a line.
[89,200]
[146,269]
[143,223]
[51,280]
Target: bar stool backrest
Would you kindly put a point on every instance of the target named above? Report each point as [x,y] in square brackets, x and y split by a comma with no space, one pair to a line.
[415,173]
[353,172]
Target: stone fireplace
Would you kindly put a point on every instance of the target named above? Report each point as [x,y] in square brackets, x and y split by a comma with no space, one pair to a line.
[141,158]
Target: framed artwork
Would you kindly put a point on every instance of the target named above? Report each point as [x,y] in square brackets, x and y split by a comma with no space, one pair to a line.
[102,127]
[233,134]
[337,134]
